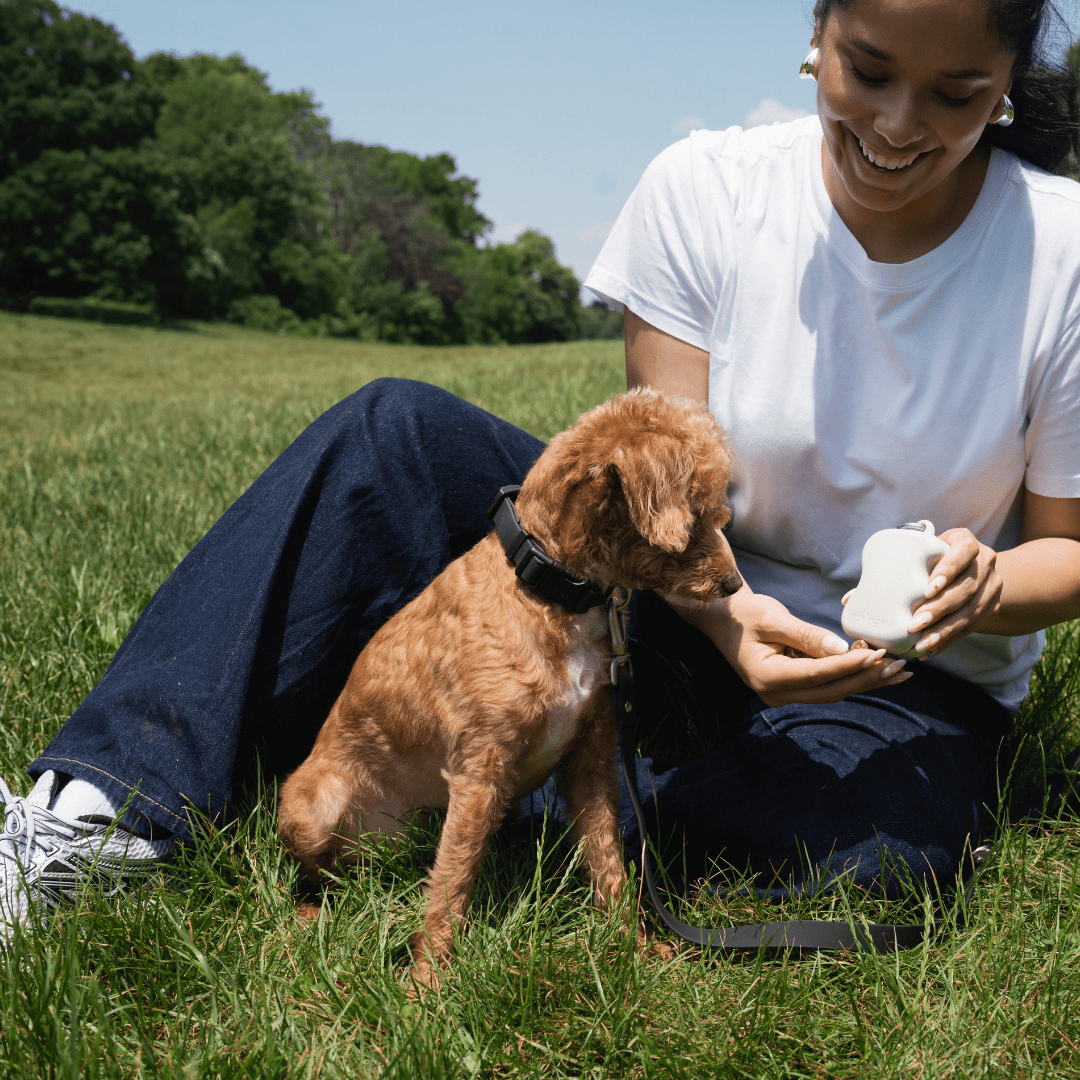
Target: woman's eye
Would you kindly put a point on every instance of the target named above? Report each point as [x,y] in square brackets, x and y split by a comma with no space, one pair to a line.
[870,80]
[874,80]
[956,102]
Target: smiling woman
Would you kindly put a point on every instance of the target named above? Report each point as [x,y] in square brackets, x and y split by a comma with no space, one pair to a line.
[881,305]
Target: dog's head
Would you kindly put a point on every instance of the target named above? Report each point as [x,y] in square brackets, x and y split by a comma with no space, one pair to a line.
[633,494]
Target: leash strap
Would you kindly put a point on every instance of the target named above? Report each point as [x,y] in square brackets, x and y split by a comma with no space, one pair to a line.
[534,565]
[795,934]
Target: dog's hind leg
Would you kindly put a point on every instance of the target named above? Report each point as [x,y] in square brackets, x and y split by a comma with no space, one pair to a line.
[590,782]
[317,815]
[477,805]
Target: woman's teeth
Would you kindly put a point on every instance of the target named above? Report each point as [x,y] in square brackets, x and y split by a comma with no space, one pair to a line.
[886,162]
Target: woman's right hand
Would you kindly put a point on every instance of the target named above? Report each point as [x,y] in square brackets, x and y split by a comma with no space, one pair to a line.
[752,632]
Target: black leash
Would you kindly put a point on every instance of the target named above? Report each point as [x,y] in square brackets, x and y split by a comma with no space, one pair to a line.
[807,934]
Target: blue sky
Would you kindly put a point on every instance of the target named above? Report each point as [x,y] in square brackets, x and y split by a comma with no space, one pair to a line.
[555,107]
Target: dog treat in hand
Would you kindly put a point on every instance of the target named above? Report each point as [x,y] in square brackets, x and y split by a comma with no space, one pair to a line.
[798,654]
[473,693]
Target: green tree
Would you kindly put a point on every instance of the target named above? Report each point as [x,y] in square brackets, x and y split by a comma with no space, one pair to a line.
[433,182]
[67,82]
[188,183]
[599,322]
[403,222]
[260,208]
[382,224]
[84,205]
[100,221]
[519,292]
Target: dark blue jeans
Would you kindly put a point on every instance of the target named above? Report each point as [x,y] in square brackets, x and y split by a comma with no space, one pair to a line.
[240,654]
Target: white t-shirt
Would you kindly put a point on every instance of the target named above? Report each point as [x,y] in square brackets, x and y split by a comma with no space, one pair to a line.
[858,395]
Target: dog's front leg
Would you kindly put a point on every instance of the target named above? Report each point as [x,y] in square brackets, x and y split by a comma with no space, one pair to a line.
[590,781]
[476,807]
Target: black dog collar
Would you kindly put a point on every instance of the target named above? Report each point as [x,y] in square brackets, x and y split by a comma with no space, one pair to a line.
[534,566]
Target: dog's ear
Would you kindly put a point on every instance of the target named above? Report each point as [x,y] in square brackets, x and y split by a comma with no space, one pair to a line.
[655,474]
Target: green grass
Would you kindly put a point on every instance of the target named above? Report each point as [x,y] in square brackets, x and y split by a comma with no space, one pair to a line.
[118,448]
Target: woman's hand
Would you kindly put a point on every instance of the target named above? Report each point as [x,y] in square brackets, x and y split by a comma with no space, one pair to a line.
[752,631]
[965,589]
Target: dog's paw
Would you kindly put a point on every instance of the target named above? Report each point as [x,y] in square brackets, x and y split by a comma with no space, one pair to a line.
[424,976]
[651,945]
[308,911]
[661,950]
[431,956]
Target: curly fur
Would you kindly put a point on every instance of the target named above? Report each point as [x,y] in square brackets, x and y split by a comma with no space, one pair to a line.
[479,688]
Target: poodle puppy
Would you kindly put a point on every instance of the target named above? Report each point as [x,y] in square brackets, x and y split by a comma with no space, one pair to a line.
[478,689]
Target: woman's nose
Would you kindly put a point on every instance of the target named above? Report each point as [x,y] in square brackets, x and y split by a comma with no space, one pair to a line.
[897,120]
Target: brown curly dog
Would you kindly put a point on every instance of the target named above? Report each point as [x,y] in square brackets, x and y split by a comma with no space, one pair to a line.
[479,688]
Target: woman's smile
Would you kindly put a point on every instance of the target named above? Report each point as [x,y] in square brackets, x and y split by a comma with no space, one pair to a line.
[888,162]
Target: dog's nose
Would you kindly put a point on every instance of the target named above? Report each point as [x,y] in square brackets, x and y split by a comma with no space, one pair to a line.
[731,583]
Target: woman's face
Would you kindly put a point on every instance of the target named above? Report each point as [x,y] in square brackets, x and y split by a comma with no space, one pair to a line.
[905,89]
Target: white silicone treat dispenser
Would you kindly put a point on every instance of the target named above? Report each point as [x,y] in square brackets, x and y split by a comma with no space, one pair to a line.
[896,565]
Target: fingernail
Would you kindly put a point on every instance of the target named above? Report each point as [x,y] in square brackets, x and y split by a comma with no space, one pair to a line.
[893,668]
[902,677]
[923,619]
[927,642]
[935,584]
[834,645]
[873,658]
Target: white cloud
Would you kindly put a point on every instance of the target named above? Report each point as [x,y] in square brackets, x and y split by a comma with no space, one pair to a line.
[690,123]
[771,112]
[598,232]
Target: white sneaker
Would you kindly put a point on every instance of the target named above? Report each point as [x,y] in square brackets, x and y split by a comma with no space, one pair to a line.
[46,859]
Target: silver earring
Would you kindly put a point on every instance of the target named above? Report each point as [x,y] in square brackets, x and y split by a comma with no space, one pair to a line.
[806,68]
[1008,114]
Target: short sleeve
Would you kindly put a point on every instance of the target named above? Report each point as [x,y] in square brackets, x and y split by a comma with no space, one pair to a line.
[1052,441]
[654,260]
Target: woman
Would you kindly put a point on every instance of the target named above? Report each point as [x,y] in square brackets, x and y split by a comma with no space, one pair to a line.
[868,301]
[881,311]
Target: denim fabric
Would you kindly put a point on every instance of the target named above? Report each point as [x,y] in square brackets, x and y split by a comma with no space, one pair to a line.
[241,653]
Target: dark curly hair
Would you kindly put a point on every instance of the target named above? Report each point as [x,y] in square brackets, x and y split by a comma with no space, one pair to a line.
[1044,92]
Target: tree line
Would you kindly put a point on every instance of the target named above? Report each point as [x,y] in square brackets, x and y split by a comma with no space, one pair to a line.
[187,184]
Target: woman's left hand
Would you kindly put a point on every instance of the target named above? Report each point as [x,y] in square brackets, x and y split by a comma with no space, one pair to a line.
[965,589]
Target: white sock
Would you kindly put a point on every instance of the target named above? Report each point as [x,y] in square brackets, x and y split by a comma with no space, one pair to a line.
[80,799]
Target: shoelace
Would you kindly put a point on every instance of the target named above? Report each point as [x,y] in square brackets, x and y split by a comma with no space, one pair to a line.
[24,821]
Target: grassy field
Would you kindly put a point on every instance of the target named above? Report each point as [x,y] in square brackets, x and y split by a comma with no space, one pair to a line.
[118,448]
